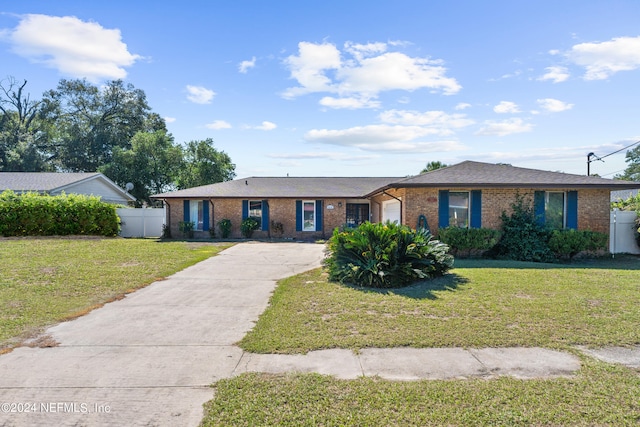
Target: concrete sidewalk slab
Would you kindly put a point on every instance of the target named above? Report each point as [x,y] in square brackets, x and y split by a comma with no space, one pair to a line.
[627,356]
[410,364]
[152,356]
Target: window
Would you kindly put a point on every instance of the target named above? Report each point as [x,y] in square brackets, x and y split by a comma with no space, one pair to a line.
[255,211]
[357,213]
[309,215]
[557,209]
[459,209]
[196,214]
[554,209]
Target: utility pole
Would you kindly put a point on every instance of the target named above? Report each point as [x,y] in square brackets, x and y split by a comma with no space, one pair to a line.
[589,156]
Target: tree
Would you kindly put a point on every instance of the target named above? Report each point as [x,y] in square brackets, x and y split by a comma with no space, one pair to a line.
[203,164]
[632,172]
[434,165]
[24,142]
[93,122]
[151,164]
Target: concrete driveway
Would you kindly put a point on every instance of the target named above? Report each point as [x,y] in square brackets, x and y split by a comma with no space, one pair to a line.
[150,358]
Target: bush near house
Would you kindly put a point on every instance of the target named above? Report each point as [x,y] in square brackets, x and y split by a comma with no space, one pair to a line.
[32,214]
[568,243]
[248,226]
[385,255]
[469,241]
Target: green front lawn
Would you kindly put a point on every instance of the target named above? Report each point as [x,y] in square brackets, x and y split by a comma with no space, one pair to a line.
[47,280]
[481,303]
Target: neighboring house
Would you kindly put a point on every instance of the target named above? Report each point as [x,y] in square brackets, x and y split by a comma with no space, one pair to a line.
[619,195]
[469,194]
[53,183]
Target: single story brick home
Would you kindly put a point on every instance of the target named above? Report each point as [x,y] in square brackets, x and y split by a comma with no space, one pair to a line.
[468,194]
[56,183]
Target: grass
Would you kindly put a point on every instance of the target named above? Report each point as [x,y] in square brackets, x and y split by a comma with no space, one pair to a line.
[481,303]
[600,394]
[47,280]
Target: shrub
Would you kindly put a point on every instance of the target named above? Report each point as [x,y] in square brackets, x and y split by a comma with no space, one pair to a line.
[166,231]
[225,227]
[385,255]
[186,228]
[523,238]
[33,214]
[277,228]
[568,243]
[248,226]
[469,240]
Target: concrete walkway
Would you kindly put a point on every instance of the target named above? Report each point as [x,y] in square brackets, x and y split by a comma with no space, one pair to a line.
[149,359]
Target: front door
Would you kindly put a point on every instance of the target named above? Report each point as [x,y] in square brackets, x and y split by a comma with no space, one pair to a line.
[357,213]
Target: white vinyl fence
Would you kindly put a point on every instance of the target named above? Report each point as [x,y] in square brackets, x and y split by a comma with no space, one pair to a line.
[622,238]
[144,222]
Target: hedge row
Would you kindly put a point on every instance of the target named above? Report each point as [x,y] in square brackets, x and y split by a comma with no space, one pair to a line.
[32,214]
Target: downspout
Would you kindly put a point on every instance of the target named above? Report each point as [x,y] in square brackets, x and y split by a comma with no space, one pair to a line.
[212,218]
[269,222]
[392,196]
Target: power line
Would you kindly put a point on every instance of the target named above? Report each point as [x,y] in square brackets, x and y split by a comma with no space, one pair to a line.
[592,154]
[628,146]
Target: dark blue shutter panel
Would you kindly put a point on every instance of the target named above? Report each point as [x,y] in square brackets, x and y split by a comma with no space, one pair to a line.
[186,211]
[318,215]
[538,207]
[443,209]
[205,215]
[265,215]
[245,209]
[476,209]
[298,215]
[572,210]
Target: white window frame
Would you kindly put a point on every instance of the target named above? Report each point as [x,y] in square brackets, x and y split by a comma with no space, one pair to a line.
[468,219]
[312,227]
[196,214]
[258,217]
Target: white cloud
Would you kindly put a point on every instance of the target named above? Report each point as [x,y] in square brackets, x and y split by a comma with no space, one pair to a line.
[553,105]
[169,119]
[246,65]
[462,106]
[199,94]
[505,127]
[439,122]
[556,74]
[604,59]
[266,126]
[218,124]
[349,103]
[323,155]
[73,47]
[505,107]
[362,71]
[382,138]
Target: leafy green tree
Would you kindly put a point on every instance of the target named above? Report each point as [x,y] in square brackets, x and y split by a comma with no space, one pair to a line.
[24,141]
[151,164]
[434,165]
[203,164]
[632,172]
[94,122]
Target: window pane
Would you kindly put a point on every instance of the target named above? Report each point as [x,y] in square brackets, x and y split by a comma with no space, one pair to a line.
[255,211]
[459,209]
[357,213]
[196,214]
[554,210]
[309,216]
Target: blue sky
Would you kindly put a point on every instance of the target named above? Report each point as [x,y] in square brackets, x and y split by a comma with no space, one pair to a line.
[356,88]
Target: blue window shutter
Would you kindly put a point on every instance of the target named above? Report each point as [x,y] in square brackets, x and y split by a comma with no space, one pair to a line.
[476,209]
[187,216]
[265,215]
[443,209]
[538,207]
[572,210]
[318,215]
[298,215]
[205,215]
[245,209]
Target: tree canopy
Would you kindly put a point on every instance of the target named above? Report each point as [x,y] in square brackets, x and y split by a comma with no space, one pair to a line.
[433,165]
[632,172]
[79,127]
